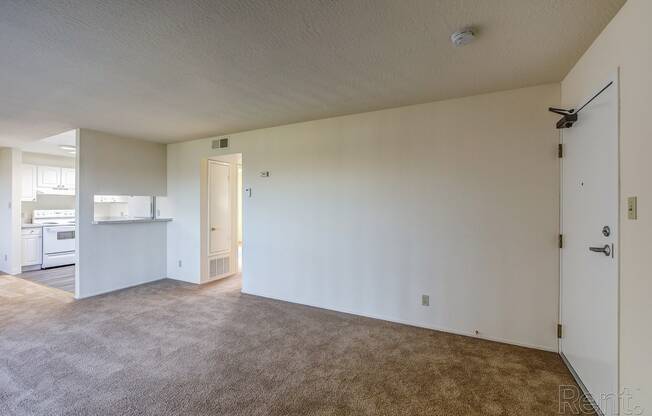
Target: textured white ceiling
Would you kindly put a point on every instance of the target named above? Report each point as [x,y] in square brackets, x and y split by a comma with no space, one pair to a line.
[171,70]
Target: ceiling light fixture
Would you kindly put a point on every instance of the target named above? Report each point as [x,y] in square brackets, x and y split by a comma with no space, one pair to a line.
[463,37]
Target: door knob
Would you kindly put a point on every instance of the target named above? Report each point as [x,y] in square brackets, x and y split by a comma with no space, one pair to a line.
[606,250]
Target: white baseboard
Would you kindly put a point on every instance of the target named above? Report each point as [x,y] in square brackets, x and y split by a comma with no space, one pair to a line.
[103,292]
[412,323]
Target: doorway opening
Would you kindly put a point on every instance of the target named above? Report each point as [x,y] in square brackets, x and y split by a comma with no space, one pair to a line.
[221,217]
[48,211]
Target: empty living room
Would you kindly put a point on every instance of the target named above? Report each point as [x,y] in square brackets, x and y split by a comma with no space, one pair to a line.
[325,207]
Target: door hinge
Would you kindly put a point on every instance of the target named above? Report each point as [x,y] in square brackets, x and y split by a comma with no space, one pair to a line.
[561,241]
[560,150]
[559,331]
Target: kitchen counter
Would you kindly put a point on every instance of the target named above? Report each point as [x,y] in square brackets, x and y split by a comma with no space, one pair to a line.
[32,225]
[123,220]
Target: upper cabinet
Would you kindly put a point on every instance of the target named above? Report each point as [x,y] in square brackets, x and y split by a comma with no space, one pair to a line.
[163,207]
[68,178]
[28,190]
[49,177]
[53,180]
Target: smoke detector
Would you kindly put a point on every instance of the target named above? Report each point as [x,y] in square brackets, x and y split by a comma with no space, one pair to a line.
[462,37]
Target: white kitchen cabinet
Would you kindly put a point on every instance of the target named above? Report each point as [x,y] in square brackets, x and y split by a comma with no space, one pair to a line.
[49,177]
[68,178]
[52,180]
[28,190]
[163,207]
[32,252]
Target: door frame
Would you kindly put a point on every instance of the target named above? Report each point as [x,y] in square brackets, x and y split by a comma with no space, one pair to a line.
[615,78]
[209,195]
[205,197]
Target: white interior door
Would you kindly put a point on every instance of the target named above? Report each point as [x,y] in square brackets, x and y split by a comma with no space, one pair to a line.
[589,257]
[219,207]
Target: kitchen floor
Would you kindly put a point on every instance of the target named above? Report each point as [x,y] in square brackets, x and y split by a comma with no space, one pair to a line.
[62,278]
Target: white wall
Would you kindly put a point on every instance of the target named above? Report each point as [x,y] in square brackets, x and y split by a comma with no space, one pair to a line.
[10,183]
[365,213]
[115,256]
[626,44]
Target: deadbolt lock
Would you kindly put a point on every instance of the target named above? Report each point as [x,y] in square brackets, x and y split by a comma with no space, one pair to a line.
[606,231]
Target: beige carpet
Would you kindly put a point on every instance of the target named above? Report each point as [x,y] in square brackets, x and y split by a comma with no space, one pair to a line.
[170,348]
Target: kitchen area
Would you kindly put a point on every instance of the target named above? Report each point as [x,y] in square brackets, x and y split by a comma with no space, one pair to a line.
[40,225]
[48,218]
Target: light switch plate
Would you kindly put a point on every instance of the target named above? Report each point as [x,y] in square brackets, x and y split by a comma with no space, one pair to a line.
[631,208]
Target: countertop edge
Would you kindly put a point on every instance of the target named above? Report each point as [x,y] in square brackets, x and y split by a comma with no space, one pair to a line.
[103,222]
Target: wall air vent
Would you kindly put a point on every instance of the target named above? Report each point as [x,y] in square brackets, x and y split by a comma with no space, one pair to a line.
[222,143]
[218,266]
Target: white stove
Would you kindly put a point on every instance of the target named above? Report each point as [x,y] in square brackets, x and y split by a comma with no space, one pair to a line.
[58,236]
[54,217]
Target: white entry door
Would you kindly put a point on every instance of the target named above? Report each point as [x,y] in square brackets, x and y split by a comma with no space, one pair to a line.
[590,253]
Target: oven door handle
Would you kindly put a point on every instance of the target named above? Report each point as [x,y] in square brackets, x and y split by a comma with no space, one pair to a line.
[62,254]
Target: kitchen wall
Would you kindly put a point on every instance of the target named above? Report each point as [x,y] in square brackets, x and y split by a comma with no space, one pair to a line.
[47,201]
[10,182]
[456,199]
[115,256]
[625,44]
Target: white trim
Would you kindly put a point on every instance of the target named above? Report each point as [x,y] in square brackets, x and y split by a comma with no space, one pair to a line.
[615,78]
[77,212]
[104,292]
[579,382]
[217,253]
[205,218]
[410,323]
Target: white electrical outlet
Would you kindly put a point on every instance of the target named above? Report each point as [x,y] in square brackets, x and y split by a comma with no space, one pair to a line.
[180,263]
